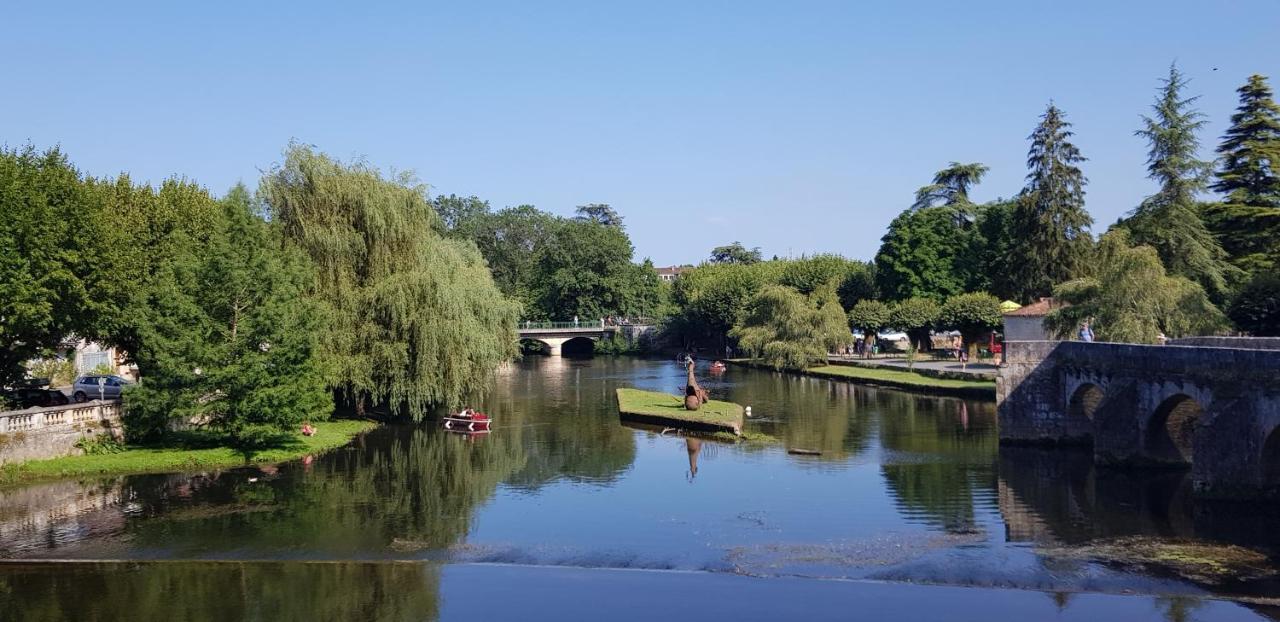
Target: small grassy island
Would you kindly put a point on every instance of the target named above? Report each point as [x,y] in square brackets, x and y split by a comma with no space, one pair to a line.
[136,459]
[668,410]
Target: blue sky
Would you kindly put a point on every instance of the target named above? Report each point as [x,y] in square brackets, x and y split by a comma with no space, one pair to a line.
[799,127]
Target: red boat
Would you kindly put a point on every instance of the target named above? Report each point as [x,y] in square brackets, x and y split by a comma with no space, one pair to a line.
[717,367]
[467,421]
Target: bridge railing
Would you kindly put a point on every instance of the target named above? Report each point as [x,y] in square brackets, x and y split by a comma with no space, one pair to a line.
[560,325]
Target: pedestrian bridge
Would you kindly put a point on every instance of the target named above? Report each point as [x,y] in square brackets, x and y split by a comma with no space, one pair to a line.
[555,334]
[1210,404]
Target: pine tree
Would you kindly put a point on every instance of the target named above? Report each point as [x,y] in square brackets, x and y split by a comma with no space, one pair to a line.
[950,190]
[1168,220]
[1248,220]
[228,337]
[1250,173]
[1050,225]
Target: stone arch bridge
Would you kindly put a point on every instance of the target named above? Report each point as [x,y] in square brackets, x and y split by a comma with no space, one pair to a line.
[1210,404]
[555,334]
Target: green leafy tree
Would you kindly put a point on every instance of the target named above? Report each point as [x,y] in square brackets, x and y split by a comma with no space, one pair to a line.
[1256,308]
[1050,228]
[735,253]
[414,319]
[1169,221]
[460,216]
[988,260]
[859,284]
[1130,298]
[788,330]
[713,298]
[585,270]
[229,338]
[511,240]
[916,317]
[42,289]
[600,213]
[973,314]
[810,274]
[920,254]
[1247,222]
[870,317]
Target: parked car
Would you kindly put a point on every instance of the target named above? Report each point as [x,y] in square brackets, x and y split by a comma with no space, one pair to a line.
[28,397]
[88,388]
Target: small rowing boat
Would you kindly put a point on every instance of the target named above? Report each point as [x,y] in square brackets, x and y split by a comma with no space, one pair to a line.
[467,421]
[717,367]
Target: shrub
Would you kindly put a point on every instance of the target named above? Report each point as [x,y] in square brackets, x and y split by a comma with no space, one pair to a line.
[59,371]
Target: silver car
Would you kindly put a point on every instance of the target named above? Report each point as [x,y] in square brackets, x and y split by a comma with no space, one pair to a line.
[98,386]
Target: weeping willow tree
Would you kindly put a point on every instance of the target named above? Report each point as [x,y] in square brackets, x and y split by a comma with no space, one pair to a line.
[414,319]
[790,330]
[1129,298]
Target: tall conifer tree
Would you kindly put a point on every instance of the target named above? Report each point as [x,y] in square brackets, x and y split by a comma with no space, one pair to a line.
[1050,225]
[1168,220]
[1248,220]
[1250,173]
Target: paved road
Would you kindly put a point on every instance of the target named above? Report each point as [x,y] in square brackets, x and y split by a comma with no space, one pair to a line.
[983,369]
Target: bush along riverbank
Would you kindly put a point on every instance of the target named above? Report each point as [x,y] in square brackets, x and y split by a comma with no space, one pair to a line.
[192,452]
[895,379]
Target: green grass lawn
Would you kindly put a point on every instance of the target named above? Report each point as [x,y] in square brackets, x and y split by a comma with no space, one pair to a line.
[670,408]
[329,435]
[901,378]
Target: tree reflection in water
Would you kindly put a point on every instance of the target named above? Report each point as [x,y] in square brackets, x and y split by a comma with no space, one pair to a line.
[941,457]
[220,591]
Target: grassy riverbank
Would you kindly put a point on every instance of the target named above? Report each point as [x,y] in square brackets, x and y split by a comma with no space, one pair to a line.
[329,435]
[666,409]
[898,379]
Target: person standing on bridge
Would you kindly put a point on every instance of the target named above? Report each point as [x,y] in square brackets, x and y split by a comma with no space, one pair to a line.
[575,321]
[1086,332]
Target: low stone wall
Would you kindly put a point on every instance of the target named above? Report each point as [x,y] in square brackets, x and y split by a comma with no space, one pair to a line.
[39,433]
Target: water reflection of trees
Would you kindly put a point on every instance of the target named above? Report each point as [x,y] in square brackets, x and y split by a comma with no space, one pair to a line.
[220,591]
[399,487]
[807,413]
[940,456]
[566,422]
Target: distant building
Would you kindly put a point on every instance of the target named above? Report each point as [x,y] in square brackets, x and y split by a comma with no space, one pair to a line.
[671,273]
[1027,323]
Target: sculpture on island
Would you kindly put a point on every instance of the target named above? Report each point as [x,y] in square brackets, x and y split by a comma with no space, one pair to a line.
[694,395]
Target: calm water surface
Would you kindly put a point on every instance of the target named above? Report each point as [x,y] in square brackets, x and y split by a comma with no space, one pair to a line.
[564,513]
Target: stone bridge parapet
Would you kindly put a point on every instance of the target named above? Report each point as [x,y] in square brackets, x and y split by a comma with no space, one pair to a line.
[1215,409]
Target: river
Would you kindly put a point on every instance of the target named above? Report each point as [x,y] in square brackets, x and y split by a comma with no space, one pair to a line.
[909,510]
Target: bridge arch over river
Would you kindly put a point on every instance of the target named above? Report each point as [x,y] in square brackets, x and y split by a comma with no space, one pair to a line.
[555,335]
[1211,404]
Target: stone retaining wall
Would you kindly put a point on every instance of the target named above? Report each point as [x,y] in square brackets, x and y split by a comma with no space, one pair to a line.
[1245,343]
[39,433]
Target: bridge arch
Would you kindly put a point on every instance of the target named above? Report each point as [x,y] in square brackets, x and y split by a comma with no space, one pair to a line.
[578,346]
[1081,407]
[1270,460]
[1171,430]
[530,345]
